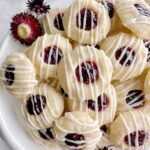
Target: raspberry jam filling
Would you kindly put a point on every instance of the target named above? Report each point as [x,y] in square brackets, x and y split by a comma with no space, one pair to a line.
[46,134]
[87,72]
[52,55]
[101,104]
[103,128]
[125,55]
[110,147]
[74,139]
[109,7]
[147,45]
[58,23]
[63,92]
[136,138]
[135,98]
[36,104]
[143,11]
[87,19]
[9,75]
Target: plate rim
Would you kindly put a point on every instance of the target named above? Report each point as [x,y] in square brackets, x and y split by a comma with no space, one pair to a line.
[5,131]
[8,137]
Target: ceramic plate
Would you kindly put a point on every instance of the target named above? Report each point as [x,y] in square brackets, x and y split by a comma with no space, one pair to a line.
[13,126]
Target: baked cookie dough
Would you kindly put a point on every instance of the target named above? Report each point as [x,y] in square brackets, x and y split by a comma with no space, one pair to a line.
[128,55]
[77,130]
[130,94]
[135,15]
[18,75]
[53,21]
[102,109]
[105,143]
[147,1]
[131,130]
[84,73]
[86,22]
[46,53]
[41,108]
[45,138]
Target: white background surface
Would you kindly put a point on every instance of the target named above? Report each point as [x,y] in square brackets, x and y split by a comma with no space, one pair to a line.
[7,9]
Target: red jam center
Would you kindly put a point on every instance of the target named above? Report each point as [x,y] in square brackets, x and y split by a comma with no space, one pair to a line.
[52,55]
[9,75]
[58,23]
[143,11]
[63,92]
[36,104]
[147,45]
[75,138]
[110,147]
[136,137]
[87,72]
[87,19]
[101,104]
[109,7]
[135,98]
[125,55]
[46,134]
[103,128]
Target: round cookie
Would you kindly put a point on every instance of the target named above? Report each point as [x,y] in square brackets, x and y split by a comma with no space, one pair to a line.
[135,15]
[130,94]
[44,137]
[86,22]
[76,130]
[46,53]
[102,109]
[131,130]
[128,55]
[53,21]
[86,72]
[18,75]
[41,108]
[147,86]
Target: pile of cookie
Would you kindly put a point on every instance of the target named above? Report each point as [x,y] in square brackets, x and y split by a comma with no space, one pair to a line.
[85,83]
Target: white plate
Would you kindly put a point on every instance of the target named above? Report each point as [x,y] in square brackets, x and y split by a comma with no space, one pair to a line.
[13,126]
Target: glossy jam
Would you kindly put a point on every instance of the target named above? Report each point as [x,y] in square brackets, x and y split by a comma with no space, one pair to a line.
[101,104]
[87,72]
[46,134]
[9,75]
[52,55]
[87,19]
[135,98]
[76,138]
[128,56]
[136,137]
[143,11]
[63,92]
[147,45]
[103,128]
[58,23]
[36,104]
[109,7]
